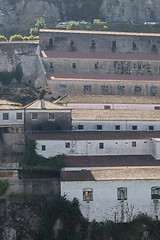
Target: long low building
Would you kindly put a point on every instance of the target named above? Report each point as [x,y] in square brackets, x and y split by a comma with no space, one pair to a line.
[115,194]
[97,144]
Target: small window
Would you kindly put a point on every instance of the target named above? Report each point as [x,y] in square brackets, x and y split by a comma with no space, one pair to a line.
[87,88]
[51,116]
[104,89]
[134,128]
[133,144]
[19,115]
[99,127]
[35,116]
[106,107]
[151,128]
[117,127]
[153,90]
[156,108]
[67,145]
[73,65]
[5,116]
[80,127]
[155,193]
[62,87]
[137,89]
[122,193]
[93,43]
[87,194]
[113,46]
[72,43]
[121,89]
[51,42]
[139,66]
[96,66]
[43,147]
[134,45]
[51,65]
[101,145]
[154,46]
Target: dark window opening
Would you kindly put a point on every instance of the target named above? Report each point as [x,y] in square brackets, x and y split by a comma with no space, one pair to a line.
[96,66]
[72,43]
[62,87]
[133,144]
[122,193]
[51,43]
[153,90]
[156,108]
[93,43]
[101,145]
[80,127]
[139,66]
[104,89]
[43,147]
[67,145]
[51,65]
[113,46]
[121,89]
[155,193]
[74,65]
[134,127]
[5,116]
[107,107]
[117,127]
[134,45]
[35,116]
[51,116]
[19,115]
[87,194]
[99,127]
[137,89]
[151,128]
[87,89]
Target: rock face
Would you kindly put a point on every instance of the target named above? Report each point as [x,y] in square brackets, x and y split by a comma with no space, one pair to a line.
[25,12]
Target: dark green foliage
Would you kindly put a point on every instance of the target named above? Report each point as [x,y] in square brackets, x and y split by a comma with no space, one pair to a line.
[72,226]
[42,94]
[35,162]
[6,77]
[4,184]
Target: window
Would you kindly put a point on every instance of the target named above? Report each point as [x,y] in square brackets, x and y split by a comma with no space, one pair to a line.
[104,89]
[67,145]
[62,87]
[87,194]
[96,66]
[134,128]
[153,90]
[99,127]
[35,116]
[156,108]
[87,88]
[121,89]
[51,42]
[93,43]
[101,145]
[117,127]
[155,193]
[19,115]
[113,46]
[43,147]
[151,128]
[73,65]
[72,43]
[51,65]
[51,116]
[134,45]
[5,116]
[107,107]
[139,66]
[137,89]
[154,47]
[80,127]
[133,144]
[122,193]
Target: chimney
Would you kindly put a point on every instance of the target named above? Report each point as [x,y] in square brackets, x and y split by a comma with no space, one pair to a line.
[42,104]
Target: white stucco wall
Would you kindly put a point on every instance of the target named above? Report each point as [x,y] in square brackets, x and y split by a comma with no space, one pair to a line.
[156,148]
[110,125]
[12,117]
[112,106]
[105,205]
[85,147]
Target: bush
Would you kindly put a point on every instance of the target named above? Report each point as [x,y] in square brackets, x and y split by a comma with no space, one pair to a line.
[17,73]
[4,185]
[3,38]
[16,38]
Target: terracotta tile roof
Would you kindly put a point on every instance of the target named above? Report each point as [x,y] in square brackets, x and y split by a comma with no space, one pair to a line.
[121,173]
[93,135]
[39,104]
[99,55]
[109,99]
[110,161]
[114,115]
[99,32]
[84,77]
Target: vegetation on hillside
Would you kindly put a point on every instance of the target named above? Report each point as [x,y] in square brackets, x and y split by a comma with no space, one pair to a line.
[6,77]
[4,185]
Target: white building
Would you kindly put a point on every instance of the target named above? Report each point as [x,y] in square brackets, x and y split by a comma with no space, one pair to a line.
[117,194]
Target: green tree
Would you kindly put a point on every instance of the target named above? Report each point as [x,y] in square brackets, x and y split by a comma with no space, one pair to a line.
[40,23]
[16,38]
[17,73]
[3,38]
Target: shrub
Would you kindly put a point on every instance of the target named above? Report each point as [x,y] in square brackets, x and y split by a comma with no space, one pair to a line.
[16,38]
[4,184]
[34,31]
[17,73]
[3,38]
